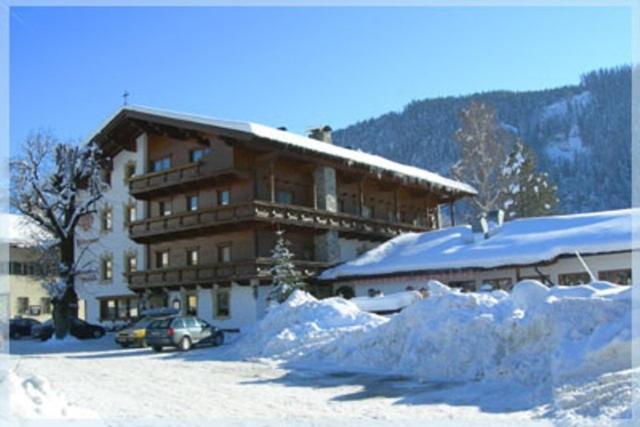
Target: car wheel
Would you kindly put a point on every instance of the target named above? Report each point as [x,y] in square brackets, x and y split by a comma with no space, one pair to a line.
[97,333]
[185,344]
[124,345]
[157,348]
[218,340]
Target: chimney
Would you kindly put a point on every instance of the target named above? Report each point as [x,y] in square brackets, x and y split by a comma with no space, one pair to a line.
[321,134]
[486,225]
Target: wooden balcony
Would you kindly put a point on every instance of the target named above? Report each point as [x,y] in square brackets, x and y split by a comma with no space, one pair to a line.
[187,224]
[208,274]
[181,178]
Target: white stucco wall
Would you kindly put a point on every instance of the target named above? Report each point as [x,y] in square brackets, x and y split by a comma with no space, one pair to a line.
[93,244]
[244,309]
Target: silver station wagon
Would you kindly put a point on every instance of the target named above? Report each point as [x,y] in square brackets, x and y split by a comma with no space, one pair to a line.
[182,332]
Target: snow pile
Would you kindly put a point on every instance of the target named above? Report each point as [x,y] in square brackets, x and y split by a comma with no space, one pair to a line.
[535,336]
[32,397]
[302,323]
[387,303]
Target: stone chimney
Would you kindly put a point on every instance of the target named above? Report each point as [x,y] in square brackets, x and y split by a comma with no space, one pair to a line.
[321,134]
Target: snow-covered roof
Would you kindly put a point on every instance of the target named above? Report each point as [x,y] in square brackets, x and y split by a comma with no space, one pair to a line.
[518,242]
[302,142]
[20,231]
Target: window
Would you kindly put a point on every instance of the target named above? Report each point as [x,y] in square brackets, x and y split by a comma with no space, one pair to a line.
[17,268]
[341,205]
[109,312]
[502,283]
[573,279]
[23,305]
[192,305]
[122,308]
[45,303]
[160,164]
[131,263]
[284,197]
[107,219]
[192,203]
[224,252]
[107,269]
[130,213]
[192,257]
[198,154]
[224,197]
[129,171]
[222,303]
[164,208]
[162,259]
[106,176]
[621,277]
[133,307]
[464,285]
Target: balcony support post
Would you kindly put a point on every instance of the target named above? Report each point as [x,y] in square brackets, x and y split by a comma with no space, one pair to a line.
[272,181]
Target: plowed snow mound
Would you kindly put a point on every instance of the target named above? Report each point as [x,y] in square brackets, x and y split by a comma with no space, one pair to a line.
[301,324]
[535,335]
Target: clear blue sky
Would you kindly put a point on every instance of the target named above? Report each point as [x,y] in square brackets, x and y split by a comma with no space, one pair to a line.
[296,67]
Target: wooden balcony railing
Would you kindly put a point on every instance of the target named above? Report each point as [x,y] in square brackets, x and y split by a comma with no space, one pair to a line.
[188,175]
[213,273]
[204,220]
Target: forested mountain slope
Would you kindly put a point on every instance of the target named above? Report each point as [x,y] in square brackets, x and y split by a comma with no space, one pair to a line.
[581,135]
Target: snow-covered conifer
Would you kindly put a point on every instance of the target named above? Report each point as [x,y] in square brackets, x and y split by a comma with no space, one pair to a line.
[286,278]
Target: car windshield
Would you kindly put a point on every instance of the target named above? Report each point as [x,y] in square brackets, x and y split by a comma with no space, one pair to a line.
[160,323]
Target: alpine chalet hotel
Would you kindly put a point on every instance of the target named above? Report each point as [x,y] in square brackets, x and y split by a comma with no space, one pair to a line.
[189,220]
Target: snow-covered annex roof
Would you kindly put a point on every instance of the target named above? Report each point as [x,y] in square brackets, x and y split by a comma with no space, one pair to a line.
[20,231]
[300,142]
[519,242]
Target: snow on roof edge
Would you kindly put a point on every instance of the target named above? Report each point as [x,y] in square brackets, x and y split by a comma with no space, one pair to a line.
[303,142]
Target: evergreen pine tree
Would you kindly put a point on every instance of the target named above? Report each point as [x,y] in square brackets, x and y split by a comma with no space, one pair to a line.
[286,278]
[529,193]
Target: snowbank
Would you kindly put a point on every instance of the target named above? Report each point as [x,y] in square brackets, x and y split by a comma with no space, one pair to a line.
[534,335]
[303,323]
[387,303]
[32,397]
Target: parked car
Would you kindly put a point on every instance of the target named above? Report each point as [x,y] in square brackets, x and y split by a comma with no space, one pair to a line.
[79,329]
[21,327]
[182,332]
[134,335]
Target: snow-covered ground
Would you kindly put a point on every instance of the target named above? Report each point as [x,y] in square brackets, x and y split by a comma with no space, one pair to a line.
[536,356]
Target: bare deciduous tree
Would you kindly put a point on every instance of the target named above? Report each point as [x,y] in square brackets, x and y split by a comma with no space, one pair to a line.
[55,184]
[482,142]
